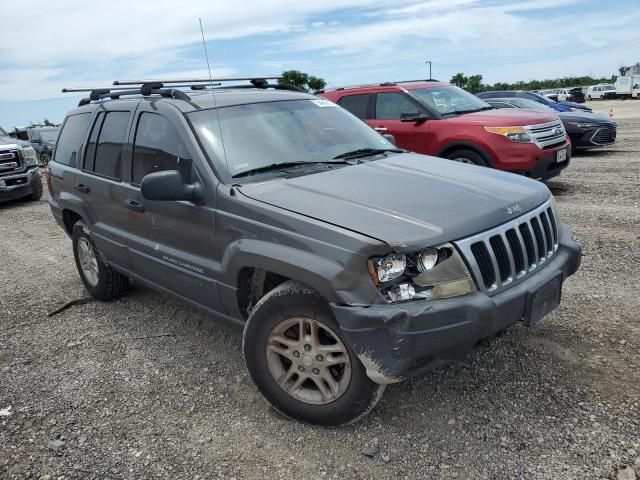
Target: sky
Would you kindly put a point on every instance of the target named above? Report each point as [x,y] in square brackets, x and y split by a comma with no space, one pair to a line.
[76,43]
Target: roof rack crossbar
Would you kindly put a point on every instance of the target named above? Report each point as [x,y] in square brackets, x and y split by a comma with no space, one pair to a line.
[198,80]
[145,90]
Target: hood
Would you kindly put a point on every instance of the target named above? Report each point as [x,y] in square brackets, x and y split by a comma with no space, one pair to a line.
[409,201]
[585,117]
[6,140]
[503,117]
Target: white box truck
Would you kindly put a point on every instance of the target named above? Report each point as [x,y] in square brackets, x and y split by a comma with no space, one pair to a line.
[628,86]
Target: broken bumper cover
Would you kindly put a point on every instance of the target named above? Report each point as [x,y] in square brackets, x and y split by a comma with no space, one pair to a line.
[397,341]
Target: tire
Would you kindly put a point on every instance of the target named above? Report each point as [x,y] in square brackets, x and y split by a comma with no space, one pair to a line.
[44,158]
[105,283]
[467,156]
[354,395]
[36,186]
[589,98]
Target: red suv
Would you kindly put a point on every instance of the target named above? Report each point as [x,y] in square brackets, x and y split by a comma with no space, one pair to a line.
[439,119]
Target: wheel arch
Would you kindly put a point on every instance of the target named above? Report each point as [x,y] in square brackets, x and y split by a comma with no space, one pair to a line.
[448,149]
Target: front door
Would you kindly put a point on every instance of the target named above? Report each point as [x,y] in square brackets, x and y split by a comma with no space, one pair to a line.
[389,106]
[173,242]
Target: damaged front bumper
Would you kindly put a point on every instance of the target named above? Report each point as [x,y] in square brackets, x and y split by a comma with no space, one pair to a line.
[397,341]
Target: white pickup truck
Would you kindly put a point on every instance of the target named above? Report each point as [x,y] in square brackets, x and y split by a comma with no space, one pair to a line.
[19,175]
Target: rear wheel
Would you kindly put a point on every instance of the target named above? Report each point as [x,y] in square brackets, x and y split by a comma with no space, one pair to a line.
[467,156]
[100,280]
[297,357]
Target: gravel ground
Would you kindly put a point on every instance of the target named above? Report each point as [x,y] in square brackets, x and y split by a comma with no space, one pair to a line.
[145,388]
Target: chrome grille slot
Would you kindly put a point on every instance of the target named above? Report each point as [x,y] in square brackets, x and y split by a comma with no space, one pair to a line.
[9,161]
[547,134]
[504,255]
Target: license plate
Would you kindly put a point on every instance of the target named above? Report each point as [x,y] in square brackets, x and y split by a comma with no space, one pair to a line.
[3,184]
[543,301]
[561,155]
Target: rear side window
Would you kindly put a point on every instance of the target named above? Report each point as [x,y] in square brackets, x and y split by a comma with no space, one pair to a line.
[104,149]
[71,138]
[157,146]
[356,104]
[391,105]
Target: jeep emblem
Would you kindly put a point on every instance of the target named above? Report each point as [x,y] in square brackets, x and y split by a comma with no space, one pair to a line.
[513,209]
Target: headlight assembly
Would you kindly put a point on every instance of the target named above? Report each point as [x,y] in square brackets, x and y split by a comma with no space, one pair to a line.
[432,273]
[515,134]
[584,124]
[30,157]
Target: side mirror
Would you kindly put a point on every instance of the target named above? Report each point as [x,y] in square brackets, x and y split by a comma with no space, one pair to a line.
[170,185]
[413,117]
[390,138]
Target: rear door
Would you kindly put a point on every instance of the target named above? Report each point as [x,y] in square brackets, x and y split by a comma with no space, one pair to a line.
[172,243]
[100,181]
[386,118]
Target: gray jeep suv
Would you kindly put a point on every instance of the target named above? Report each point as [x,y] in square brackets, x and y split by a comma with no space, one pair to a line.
[350,264]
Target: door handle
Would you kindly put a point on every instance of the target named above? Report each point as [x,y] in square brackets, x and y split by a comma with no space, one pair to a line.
[134,205]
[82,188]
[380,129]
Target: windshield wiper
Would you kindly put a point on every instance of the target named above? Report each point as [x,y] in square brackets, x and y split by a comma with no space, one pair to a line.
[280,166]
[366,152]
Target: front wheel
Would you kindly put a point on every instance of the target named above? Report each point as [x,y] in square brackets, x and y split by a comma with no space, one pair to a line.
[467,156]
[36,187]
[300,362]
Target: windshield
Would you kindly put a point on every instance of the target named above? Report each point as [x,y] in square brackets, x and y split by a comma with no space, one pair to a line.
[450,99]
[542,98]
[2,132]
[49,135]
[258,135]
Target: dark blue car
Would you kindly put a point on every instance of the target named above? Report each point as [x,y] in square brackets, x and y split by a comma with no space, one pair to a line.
[536,97]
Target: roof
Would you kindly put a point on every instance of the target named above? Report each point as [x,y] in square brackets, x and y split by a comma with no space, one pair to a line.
[406,84]
[212,98]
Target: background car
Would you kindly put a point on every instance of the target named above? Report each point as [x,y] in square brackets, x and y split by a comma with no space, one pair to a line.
[586,130]
[43,140]
[536,97]
[601,92]
[435,118]
[576,95]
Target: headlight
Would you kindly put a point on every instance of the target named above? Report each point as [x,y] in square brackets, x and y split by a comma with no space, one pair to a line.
[584,124]
[515,134]
[30,157]
[390,267]
[430,274]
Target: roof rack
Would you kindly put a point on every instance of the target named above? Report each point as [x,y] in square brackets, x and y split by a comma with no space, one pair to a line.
[156,87]
[383,84]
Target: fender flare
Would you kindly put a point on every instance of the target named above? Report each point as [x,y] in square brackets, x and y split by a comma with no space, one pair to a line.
[319,273]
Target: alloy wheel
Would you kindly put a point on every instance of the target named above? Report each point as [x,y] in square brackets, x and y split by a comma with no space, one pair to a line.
[308,360]
[88,261]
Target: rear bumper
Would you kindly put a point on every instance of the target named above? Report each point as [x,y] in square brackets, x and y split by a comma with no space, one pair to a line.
[398,341]
[17,185]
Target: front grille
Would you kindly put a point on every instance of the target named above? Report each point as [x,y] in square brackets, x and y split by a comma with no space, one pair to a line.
[10,162]
[604,136]
[547,134]
[503,256]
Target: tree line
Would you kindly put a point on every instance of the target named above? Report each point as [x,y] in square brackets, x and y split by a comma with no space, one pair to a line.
[473,83]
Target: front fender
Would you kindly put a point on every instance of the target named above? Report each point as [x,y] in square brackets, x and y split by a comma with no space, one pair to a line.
[334,281]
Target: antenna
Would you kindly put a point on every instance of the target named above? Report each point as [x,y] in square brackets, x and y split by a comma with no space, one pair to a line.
[206,56]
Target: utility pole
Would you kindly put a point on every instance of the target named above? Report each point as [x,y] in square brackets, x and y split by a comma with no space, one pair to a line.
[429,62]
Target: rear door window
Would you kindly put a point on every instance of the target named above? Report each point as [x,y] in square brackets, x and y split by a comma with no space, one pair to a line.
[157,146]
[71,138]
[105,146]
[356,104]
